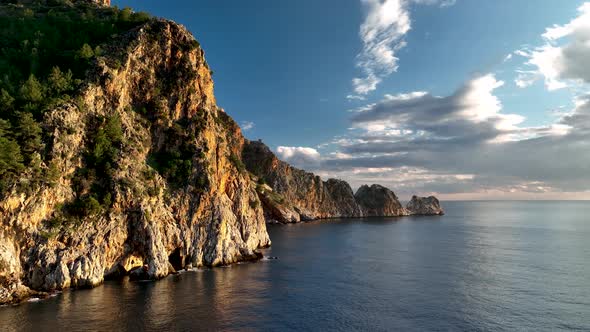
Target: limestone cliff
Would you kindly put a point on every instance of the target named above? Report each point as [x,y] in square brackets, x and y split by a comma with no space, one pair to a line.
[292,195]
[424,206]
[156,85]
[378,201]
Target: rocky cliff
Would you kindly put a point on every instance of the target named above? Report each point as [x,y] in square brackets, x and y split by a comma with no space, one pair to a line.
[378,201]
[292,195]
[173,194]
[427,206]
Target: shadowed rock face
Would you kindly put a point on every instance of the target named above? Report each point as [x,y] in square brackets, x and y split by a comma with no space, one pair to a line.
[293,195]
[378,201]
[424,206]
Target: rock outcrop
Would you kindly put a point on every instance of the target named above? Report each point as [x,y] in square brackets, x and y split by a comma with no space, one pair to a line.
[378,201]
[293,195]
[427,206]
[155,81]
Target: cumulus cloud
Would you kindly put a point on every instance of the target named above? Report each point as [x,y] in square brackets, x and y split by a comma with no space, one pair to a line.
[247,125]
[473,111]
[303,157]
[382,34]
[464,142]
[564,57]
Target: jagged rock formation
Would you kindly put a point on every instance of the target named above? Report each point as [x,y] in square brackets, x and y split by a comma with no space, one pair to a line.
[155,80]
[378,201]
[424,206]
[293,195]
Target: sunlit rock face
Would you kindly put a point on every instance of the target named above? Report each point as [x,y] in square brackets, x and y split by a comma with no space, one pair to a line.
[293,195]
[424,206]
[156,81]
[378,201]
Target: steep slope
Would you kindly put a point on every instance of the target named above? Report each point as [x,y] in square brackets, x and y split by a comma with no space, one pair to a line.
[378,201]
[148,175]
[292,195]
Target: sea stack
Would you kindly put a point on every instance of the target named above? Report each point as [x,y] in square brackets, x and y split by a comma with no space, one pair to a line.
[424,206]
[378,201]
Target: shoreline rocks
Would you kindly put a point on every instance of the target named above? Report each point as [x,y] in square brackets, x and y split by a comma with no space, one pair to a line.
[378,201]
[425,206]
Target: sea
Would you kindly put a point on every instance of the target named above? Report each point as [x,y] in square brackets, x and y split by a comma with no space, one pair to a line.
[484,266]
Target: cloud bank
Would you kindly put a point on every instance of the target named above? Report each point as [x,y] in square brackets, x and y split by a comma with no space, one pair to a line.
[461,143]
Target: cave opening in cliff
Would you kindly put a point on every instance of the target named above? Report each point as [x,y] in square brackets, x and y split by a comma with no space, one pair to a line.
[175,259]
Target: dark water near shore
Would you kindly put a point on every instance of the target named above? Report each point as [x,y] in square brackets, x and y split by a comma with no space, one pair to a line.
[485,266]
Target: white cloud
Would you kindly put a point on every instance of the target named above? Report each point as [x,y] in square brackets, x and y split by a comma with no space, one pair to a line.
[247,125]
[526,78]
[564,57]
[413,113]
[303,157]
[355,97]
[382,33]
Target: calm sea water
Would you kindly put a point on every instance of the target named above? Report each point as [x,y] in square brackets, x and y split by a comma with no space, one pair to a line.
[485,266]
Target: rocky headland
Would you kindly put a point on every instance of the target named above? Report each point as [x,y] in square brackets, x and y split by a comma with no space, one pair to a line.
[137,171]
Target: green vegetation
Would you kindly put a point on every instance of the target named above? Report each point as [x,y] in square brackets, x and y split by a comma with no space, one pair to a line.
[175,161]
[277,198]
[237,162]
[11,160]
[94,182]
[254,204]
[45,50]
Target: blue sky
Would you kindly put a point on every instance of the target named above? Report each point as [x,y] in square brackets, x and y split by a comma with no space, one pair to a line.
[285,68]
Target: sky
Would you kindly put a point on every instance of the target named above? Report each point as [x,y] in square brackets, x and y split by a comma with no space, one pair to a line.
[464,99]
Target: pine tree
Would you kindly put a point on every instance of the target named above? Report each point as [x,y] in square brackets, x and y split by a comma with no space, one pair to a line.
[31,91]
[11,160]
[29,136]
[60,82]
[85,52]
